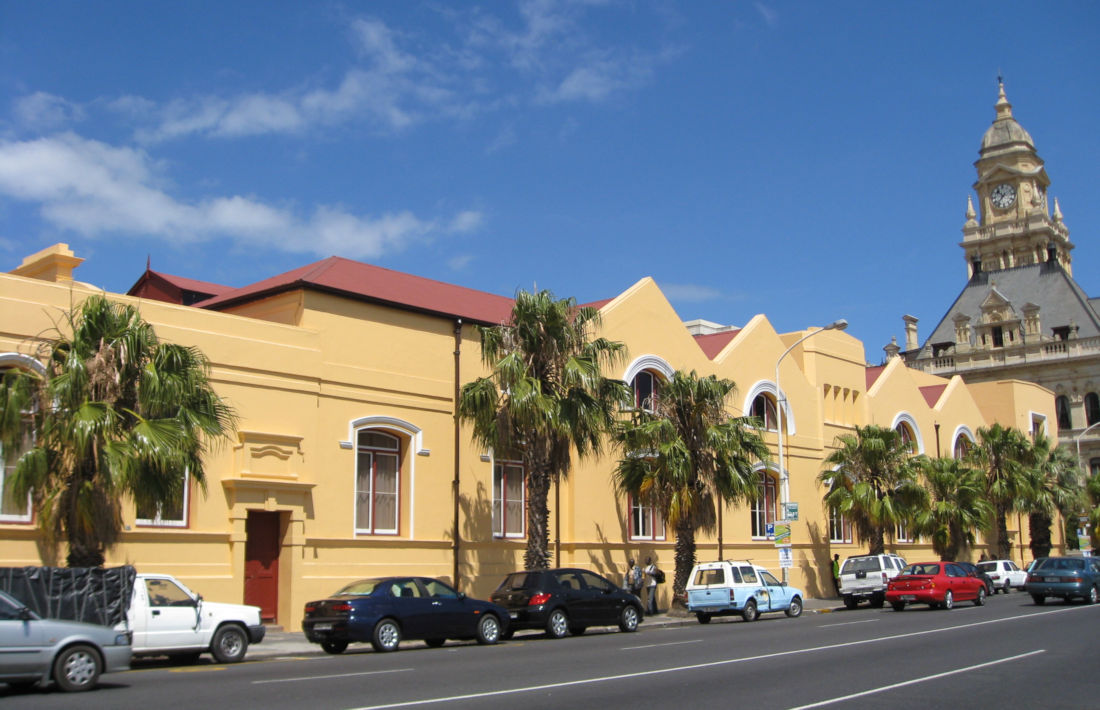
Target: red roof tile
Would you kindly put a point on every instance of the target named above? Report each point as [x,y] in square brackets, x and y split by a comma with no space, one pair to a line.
[355,279]
[713,343]
[194,284]
[932,393]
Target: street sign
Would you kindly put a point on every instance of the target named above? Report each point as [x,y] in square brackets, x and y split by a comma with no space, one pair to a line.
[782,533]
[786,557]
[769,529]
[790,511]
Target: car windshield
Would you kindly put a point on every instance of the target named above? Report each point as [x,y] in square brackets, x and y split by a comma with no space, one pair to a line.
[987,566]
[921,569]
[520,580]
[861,564]
[1062,563]
[358,589]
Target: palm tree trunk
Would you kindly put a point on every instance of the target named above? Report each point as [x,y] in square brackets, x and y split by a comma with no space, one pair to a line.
[1039,526]
[1004,545]
[685,560]
[954,542]
[877,543]
[537,555]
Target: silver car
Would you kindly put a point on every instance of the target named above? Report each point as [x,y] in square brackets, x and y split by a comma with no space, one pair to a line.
[73,654]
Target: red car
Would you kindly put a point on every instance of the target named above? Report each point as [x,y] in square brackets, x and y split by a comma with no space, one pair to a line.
[937,584]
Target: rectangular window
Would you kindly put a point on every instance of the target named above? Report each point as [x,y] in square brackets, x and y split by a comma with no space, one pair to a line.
[168,516]
[509,489]
[840,528]
[763,508]
[13,510]
[902,533]
[646,522]
[377,480]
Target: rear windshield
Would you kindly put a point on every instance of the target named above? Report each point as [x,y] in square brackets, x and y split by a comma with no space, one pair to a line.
[922,569]
[1062,563]
[520,580]
[360,588]
[861,564]
[987,566]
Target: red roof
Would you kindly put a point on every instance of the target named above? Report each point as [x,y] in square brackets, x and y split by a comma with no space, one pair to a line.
[932,393]
[873,373]
[355,279]
[713,343]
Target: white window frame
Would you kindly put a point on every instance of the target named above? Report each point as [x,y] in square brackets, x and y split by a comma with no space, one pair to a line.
[374,451]
[16,360]
[159,521]
[501,469]
[758,510]
[838,522]
[902,534]
[650,517]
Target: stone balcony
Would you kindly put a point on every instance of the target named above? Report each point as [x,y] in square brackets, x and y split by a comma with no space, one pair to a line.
[1027,354]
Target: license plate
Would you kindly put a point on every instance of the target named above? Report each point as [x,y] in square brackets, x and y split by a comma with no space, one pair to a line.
[322,627]
[711,609]
[1051,579]
[513,614]
[908,597]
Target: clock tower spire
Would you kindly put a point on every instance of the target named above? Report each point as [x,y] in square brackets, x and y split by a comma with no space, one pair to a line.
[1015,227]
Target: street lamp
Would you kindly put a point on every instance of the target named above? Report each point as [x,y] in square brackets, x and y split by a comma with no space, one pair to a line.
[780,401]
[1078,438]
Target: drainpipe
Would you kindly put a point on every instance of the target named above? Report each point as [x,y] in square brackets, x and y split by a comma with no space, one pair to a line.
[557,522]
[937,425]
[457,536]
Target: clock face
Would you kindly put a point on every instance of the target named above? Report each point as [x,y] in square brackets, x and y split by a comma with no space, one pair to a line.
[1003,195]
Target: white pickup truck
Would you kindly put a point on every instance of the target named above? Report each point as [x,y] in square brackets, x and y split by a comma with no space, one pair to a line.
[167,618]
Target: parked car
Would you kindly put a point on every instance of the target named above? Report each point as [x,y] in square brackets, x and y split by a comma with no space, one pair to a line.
[1005,574]
[566,601]
[937,584]
[1065,577]
[738,587]
[71,653]
[976,571]
[385,610]
[865,577]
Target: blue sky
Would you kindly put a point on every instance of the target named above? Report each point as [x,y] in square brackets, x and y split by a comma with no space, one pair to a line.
[805,160]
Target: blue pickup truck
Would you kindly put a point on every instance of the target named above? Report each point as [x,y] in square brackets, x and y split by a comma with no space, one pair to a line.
[729,587]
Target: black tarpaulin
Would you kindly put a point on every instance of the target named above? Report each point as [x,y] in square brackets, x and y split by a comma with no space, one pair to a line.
[95,595]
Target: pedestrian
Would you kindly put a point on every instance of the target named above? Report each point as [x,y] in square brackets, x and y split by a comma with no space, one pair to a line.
[836,573]
[651,573]
[983,558]
[633,577]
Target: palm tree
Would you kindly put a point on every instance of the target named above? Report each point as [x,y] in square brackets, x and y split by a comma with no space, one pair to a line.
[957,507]
[872,481]
[546,396]
[1003,455]
[1054,484]
[1092,491]
[684,454]
[117,413]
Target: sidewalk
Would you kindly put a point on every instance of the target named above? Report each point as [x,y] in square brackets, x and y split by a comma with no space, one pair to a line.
[281,642]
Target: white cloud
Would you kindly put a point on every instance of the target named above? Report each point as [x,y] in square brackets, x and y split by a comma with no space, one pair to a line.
[690,293]
[45,112]
[460,262]
[96,189]
[771,17]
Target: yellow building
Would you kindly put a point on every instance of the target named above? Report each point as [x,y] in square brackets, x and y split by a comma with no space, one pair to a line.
[345,377]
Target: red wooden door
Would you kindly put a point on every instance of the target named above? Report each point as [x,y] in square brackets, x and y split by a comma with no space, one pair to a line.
[261,562]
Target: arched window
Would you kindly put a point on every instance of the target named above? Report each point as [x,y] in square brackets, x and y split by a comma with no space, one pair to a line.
[907,436]
[1092,408]
[509,502]
[646,385]
[377,482]
[765,506]
[763,408]
[962,447]
[1061,408]
[1094,466]
[12,509]
[646,522]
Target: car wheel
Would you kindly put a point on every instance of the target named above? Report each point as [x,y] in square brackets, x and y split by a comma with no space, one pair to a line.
[334,647]
[435,643]
[628,619]
[949,599]
[77,668]
[557,626]
[1093,597]
[795,609]
[980,599]
[703,618]
[1039,599]
[386,637]
[898,606]
[989,588]
[488,630]
[230,644]
[851,602]
[1008,586]
[749,612]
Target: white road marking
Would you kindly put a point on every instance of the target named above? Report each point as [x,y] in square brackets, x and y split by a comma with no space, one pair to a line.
[849,623]
[917,680]
[655,645]
[323,677]
[712,664]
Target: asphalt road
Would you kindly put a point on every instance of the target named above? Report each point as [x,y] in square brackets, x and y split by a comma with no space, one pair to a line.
[1007,654]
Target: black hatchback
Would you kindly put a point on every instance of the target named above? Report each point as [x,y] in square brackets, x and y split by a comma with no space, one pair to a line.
[565,601]
[974,570]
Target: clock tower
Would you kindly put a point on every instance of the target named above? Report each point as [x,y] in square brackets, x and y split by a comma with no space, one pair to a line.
[1016,227]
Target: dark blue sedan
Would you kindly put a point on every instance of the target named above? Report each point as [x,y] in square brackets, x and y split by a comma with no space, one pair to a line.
[386,610]
[1065,577]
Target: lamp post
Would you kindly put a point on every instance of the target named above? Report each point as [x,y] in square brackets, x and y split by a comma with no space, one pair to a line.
[780,402]
[1077,439]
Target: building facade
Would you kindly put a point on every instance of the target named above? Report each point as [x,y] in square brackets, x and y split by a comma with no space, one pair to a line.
[1021,315]
[350,462]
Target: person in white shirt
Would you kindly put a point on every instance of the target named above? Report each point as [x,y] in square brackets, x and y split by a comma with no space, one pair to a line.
[651,585]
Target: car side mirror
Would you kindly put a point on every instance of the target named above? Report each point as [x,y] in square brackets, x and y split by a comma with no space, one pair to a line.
[25,614]
[462,595]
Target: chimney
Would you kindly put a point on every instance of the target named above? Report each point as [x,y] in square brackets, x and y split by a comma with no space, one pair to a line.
[911,342]
[55,263]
